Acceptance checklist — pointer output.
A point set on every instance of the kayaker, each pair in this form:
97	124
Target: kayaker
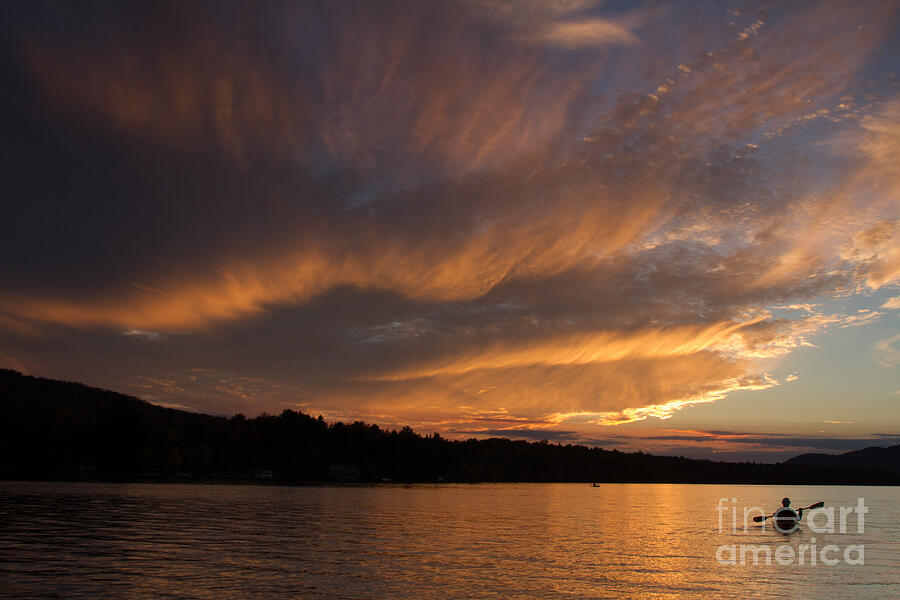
786	503
787	519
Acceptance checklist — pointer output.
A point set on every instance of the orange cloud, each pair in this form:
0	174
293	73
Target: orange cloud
389	93
581	349
454	269
589	32
9	362
637	243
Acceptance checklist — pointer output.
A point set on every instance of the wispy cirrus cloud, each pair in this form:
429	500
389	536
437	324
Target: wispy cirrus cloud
590	32
382	216
888	351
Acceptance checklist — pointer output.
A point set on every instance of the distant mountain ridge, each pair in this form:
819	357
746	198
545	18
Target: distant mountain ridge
60	430
873	457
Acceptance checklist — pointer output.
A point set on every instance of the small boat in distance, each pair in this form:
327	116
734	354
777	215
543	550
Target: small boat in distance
595	485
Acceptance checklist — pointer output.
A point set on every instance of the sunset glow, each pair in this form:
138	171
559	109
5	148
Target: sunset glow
673	228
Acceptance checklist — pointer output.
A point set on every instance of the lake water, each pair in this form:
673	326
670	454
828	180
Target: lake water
73	540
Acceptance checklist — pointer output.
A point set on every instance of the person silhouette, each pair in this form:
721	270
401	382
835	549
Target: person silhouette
787	519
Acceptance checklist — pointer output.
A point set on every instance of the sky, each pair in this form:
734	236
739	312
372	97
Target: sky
671	227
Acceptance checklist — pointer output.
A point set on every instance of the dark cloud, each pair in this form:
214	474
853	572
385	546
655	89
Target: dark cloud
555	436
437	212
762	441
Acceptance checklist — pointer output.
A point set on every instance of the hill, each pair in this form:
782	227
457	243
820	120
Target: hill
874	457
59	430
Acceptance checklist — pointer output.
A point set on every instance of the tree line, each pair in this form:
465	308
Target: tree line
58	430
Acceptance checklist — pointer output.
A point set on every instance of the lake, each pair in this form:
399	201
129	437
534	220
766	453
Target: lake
439	541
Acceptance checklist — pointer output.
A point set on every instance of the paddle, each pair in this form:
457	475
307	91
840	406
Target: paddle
762	518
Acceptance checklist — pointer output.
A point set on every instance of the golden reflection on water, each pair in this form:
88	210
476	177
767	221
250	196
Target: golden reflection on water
424	541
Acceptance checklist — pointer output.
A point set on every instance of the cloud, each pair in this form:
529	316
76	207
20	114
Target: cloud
569	24
150	335
492	247
216	392
887	352
589	32
732	446
876	145
892	303
669	408
17	326
741	441
429	212
8	362
381	91
582	349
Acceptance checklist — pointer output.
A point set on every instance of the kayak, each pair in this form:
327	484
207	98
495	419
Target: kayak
786	520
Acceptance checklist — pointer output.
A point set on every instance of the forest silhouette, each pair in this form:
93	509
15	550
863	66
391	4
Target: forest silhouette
60	430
